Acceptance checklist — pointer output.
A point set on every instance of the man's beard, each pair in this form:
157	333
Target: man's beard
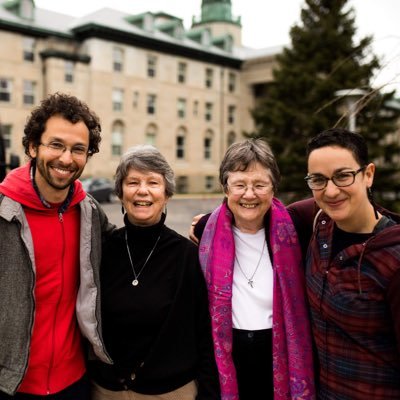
45	171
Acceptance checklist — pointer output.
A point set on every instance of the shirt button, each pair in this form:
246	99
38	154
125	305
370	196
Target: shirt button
250	334
323	222
325	246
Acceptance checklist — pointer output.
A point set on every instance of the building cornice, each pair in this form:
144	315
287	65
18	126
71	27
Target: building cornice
31	30
92	30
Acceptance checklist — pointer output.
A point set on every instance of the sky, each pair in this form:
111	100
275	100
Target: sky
266	23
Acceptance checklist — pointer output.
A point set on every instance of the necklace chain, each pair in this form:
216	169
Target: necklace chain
250	280
135	282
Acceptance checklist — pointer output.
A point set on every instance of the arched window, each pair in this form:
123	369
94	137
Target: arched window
117	138
151	134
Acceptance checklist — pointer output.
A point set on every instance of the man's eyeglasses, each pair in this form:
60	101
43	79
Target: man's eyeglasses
58	148
241	189
340	179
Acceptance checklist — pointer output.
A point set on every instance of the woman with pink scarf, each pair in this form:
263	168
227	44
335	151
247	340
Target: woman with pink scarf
251	258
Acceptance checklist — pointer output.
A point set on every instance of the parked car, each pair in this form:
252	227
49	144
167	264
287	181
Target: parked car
102	189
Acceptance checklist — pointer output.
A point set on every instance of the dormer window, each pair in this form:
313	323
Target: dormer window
143	21
26	9
22	8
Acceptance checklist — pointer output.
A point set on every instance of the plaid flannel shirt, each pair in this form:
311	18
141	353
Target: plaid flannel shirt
355	309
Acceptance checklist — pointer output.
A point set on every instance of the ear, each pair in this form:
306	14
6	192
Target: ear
369	174
32	150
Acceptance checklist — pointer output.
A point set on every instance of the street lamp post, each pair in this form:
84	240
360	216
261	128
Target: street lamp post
350	98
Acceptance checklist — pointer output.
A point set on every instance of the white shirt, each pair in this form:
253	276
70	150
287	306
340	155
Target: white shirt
252	306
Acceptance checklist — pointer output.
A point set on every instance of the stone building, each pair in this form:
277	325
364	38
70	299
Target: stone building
187	91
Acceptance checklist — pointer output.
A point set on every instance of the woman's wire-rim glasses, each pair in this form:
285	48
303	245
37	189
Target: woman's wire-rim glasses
340	179
240	189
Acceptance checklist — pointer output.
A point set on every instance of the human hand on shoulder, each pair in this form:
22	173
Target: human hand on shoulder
195	220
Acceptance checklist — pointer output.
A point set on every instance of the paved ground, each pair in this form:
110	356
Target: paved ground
181	209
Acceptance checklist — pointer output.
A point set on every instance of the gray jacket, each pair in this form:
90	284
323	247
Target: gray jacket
17	303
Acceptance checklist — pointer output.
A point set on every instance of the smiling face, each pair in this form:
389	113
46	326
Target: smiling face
56	172
143	196
249	208
348	206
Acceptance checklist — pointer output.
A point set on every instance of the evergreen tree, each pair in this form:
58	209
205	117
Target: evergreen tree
323	58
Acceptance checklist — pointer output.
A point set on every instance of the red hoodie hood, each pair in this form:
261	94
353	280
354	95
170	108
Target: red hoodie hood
18	186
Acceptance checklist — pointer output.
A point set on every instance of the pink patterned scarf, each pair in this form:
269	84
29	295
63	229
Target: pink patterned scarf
292	349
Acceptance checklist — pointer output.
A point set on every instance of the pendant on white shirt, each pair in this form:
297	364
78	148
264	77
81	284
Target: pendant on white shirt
250	280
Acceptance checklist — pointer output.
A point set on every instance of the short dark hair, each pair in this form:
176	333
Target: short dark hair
241	155
342	138
144	158
68	107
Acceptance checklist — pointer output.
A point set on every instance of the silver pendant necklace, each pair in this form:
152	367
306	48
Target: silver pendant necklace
135	281
250	280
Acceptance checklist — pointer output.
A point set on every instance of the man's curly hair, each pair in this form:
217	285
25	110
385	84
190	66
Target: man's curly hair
68	107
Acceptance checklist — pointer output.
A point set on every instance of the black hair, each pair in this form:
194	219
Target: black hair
342	138
68	107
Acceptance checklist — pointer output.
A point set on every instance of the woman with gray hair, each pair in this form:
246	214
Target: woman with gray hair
251	259
152	339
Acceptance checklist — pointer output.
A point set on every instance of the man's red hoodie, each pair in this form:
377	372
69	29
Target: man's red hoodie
56	357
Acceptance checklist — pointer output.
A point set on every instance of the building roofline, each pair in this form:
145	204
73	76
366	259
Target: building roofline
93	30
31	30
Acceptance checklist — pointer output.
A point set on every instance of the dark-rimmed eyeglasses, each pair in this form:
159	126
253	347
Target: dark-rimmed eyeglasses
58	148
340	179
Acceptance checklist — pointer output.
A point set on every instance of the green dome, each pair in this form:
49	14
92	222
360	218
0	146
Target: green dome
217	11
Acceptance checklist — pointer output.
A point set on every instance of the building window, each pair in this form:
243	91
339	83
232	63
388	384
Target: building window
69	71
6	131
135	99
28	49
117	136
151	103
208	146
151	135
231	114
182	72
5	90
231	82
209	78
151	66
180	145
117	99
29	92
208	111
209	184
118	59
231	138
195	108
182	184
181	108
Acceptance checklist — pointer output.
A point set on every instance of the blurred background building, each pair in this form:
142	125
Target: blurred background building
189	92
